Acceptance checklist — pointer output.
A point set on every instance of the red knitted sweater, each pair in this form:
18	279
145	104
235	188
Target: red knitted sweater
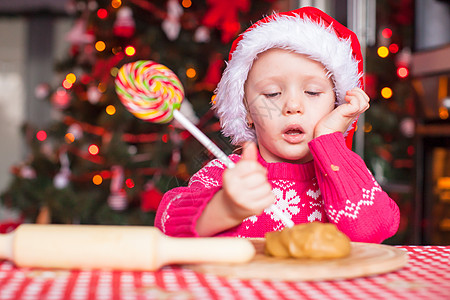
335	187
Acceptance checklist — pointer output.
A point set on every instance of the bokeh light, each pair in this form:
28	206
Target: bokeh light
191	73
110	110
393	48
383	51
186	3
443	113
69	138
71	77
101	87
387	33
93	149
402	72
67	84
100	46
116	3
130	51
97	179
386	92
114	71
129	183
102	13
41	135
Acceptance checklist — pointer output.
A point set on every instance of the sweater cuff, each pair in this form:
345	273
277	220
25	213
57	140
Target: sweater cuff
184	206
338	164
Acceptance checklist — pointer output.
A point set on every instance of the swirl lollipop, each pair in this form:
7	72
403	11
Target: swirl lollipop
152	92
149	90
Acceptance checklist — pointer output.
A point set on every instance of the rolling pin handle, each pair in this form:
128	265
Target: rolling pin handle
6	246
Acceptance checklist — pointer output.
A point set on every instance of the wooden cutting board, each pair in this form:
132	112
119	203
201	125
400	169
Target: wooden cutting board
364	260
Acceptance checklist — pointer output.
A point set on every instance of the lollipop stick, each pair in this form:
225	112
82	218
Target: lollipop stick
205	141
202	138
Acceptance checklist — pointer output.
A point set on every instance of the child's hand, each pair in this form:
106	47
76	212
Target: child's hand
246	188
342	116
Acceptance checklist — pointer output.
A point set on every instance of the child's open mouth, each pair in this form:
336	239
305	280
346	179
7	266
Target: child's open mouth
293	134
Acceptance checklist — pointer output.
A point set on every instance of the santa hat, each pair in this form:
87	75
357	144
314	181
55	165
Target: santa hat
307	31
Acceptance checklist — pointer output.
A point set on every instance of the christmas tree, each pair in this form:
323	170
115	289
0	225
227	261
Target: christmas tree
97	163
389	123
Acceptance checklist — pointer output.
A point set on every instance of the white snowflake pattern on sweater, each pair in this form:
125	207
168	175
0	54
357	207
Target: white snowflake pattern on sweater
287	199
351	209
335	188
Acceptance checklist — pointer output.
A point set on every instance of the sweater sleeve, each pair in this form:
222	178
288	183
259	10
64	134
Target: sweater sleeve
181	207
353	200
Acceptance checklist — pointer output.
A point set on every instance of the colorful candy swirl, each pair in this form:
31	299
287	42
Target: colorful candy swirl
149	90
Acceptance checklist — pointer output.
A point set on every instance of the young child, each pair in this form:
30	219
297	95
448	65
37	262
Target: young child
290	95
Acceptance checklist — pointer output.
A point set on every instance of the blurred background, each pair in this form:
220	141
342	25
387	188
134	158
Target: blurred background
71	154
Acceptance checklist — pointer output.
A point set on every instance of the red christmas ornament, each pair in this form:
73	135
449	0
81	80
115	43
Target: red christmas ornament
224	15
61	98
150	199
124	26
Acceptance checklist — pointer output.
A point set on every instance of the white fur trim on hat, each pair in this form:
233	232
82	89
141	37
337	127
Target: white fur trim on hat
301	35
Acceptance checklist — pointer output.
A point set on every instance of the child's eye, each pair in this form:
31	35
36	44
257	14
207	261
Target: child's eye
272	95
311	93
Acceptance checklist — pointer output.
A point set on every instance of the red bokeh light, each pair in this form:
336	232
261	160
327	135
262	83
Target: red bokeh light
387	33
130	183
93	149
41	135
402	72
393	48
102	13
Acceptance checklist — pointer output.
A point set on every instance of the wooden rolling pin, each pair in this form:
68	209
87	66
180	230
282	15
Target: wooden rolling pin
114	247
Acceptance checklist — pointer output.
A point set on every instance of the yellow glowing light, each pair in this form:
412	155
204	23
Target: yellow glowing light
116	3
386	93
97	179
110	110
383	51
443	183
69	138
67	84
100	46
213	101
443	113
130	51
186	3
71	77
367	127
191	73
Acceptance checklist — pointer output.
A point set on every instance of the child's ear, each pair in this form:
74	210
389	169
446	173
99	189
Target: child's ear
248	117
249	120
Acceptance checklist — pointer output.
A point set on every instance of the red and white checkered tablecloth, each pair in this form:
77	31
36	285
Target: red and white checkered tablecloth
426	276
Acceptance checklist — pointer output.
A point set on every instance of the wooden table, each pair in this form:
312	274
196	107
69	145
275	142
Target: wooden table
426	276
